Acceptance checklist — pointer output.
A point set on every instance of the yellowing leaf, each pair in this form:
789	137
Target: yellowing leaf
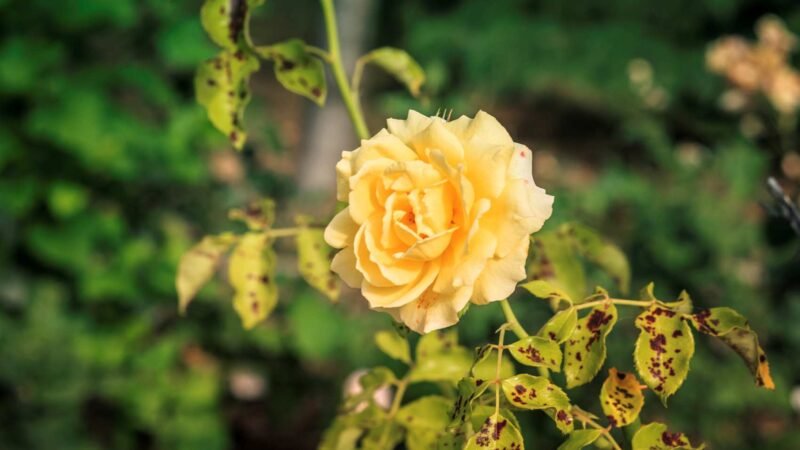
732	329
654	436
526	391
560	327
251	272
440	358
585	350
314	262
468	391
555	260
197	266
663	350
399	64
297	70
537	351
545	290
259	215
393	345
605	255
226	21
496	433
579	439
221	86
425	420
621	398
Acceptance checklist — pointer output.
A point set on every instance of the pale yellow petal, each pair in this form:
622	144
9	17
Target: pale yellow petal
437	137
434	311
363	198
521	210
395	296
342	229
501	275
344	265
343	174
364	264
428	248
413	125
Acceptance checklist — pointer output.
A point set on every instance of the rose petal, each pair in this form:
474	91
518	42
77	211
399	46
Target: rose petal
342	230
344	265
434	311
500	276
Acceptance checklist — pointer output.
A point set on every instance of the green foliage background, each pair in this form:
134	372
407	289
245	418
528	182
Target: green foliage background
106	177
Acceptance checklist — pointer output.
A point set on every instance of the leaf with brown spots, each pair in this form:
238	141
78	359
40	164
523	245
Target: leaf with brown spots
226	21
222	87
258	216
585	350
560	327
664	349
251	272
547	291
579	439
555	260
314	262
425	420
393	345
537	351
608	257
733	329
399	64
621	398
531	392
469	390
197	266
297	70
496	433
654	436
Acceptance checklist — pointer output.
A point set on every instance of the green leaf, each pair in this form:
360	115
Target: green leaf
393	345
531	392
733	329
664	350
436	342
545	290
340	435
605	255
561	326
440	358
579	439
227	21
585	350
399	64
537	351
221	86
425	420
654	436
314	262
385	435
621	398
197	266
484	366
555	260
297	70
468	391
251	272
496	433
258	216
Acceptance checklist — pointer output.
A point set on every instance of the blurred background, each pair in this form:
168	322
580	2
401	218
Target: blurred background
643	124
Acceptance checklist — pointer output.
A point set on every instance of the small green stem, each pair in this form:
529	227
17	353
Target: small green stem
512	320
579	415
396	402
616	301
497	370
319	53
353	108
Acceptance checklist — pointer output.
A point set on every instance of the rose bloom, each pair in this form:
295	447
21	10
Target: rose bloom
440	213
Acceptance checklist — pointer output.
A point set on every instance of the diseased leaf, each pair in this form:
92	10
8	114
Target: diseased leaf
399	64
545	290
393	345
482	412
259	215
585	350
537	351
621	398
484	367
531	392
496	433
579	439
560	327
654	436
314	263
197	266
226	21
436	342
733	329
555	260
221	86
683	305
605	255
468	391
251	272
425	420
664	350
297	70
440	358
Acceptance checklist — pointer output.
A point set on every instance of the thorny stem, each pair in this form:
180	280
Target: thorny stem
579	415
616	301
335	60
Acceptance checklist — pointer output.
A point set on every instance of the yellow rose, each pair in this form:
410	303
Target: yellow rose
439	215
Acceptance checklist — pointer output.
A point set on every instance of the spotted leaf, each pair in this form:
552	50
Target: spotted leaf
546	290
198	265
496	433
663	350
555	260
297	70
537	351
314	263
654	436
425	420
608	257
393	345
221	86
468	391
560	327
226	21
258	216
399	64
579	439
585	350
251	272
733	329
527	391
621	398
